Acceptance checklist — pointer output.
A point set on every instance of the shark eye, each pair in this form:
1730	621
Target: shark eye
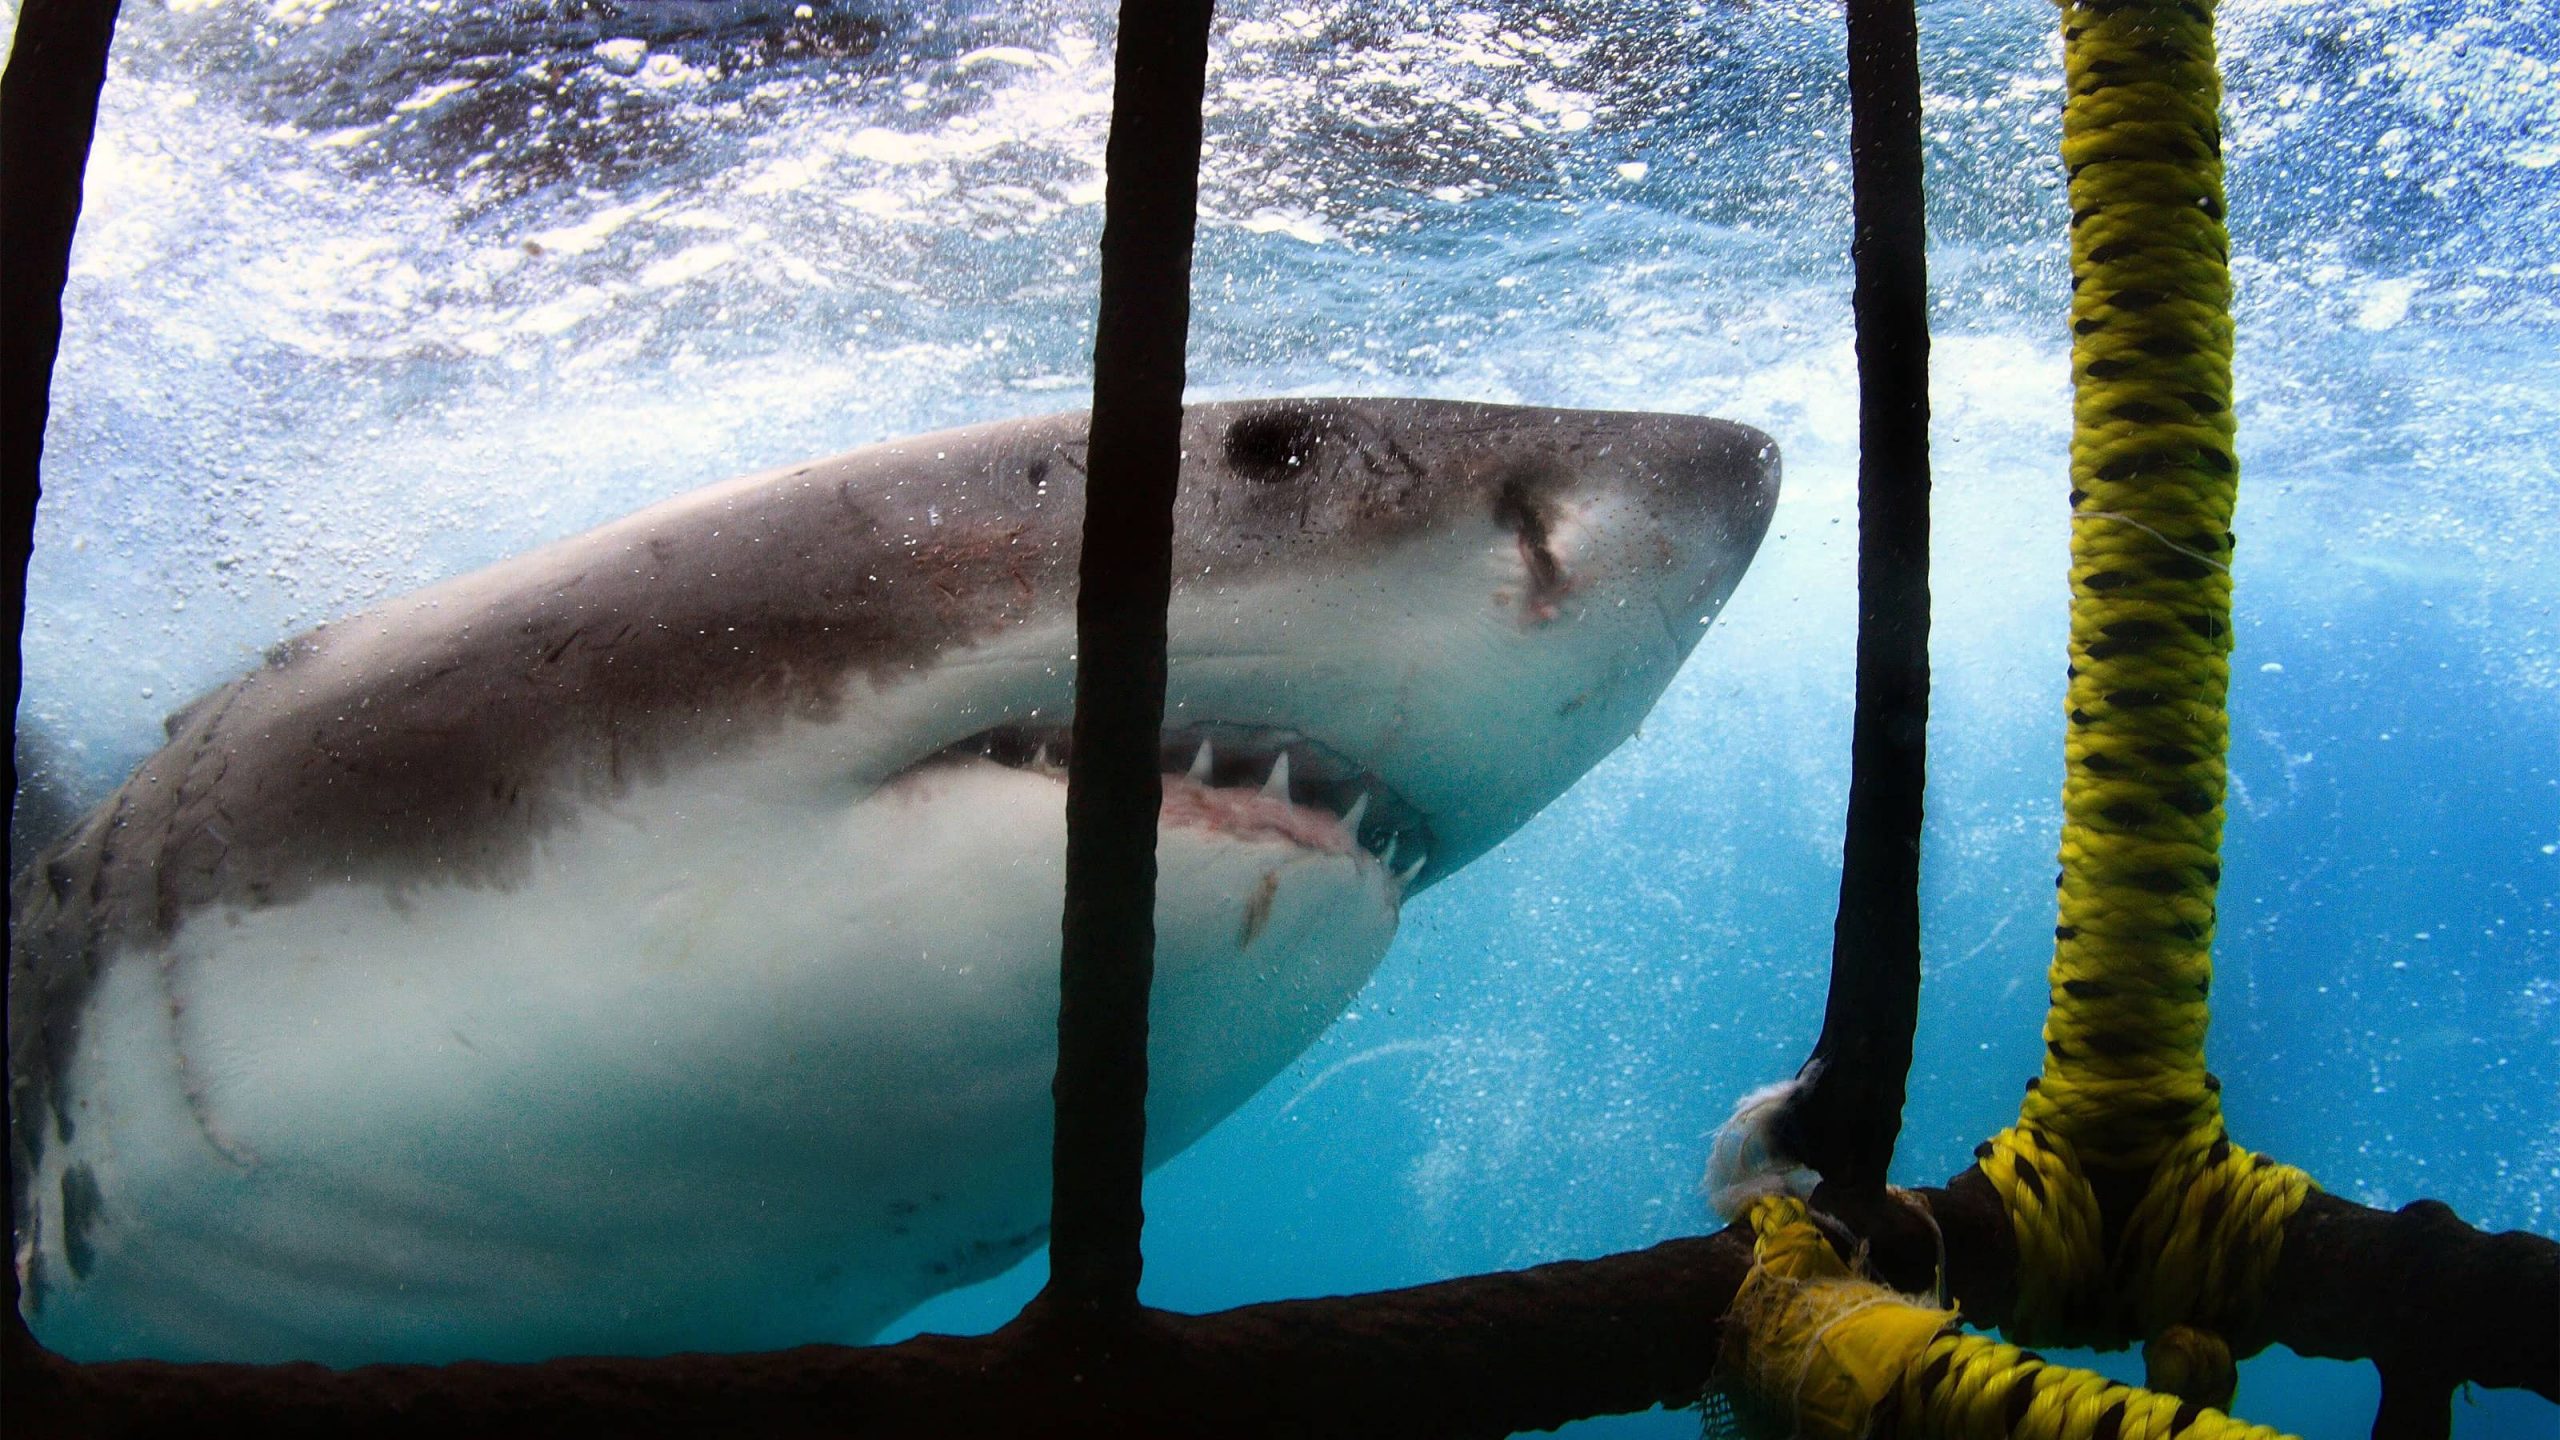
1274	445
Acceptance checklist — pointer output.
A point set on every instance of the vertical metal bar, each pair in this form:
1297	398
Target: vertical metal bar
2416	1405
1152	188
1846	1123
48	116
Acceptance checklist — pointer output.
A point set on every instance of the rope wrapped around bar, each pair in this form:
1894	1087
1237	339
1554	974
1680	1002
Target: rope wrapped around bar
1970	1387
2124	1091
2153	484
2197	1248
1813	1351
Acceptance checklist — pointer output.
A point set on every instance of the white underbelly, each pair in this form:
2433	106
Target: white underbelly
722	1071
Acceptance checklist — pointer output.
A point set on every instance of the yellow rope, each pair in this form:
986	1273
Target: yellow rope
2199	1247
2124	1091
2191	1364
2061	1266
1813	1352
2153	484
1971	1388
1810	1349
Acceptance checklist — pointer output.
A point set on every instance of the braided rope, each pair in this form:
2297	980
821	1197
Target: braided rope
2054	1214
2197	1250
1969	1387
2154	481
2199	1247
1813	1352
2153	486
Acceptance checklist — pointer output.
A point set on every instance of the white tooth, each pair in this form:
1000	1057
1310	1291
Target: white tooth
1277	787
1411	870
1040	761
1351	817
1387	857
1200	765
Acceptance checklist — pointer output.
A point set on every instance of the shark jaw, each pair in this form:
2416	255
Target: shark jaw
746	1041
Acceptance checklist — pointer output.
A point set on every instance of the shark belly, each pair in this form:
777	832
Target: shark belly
692	1082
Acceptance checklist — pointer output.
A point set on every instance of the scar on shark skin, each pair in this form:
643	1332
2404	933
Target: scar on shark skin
1257	908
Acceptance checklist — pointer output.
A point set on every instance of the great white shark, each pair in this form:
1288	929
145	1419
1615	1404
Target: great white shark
650	943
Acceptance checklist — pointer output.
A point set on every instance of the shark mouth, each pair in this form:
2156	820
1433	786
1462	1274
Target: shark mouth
1248	781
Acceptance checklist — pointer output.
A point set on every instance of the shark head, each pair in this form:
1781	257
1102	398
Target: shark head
1520	586
1399	628
1453	609
725	845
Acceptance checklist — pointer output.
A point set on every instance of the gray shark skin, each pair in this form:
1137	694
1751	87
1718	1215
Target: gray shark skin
649	943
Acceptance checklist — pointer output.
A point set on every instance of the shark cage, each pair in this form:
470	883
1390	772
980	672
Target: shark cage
2116	1211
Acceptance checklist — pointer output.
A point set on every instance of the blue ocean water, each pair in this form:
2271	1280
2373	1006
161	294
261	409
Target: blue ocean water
368	295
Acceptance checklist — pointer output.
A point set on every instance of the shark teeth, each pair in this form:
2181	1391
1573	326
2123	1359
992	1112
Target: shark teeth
1387	861
1269	763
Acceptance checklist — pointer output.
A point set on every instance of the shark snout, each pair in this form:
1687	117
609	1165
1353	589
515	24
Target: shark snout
1720	478
1711	486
